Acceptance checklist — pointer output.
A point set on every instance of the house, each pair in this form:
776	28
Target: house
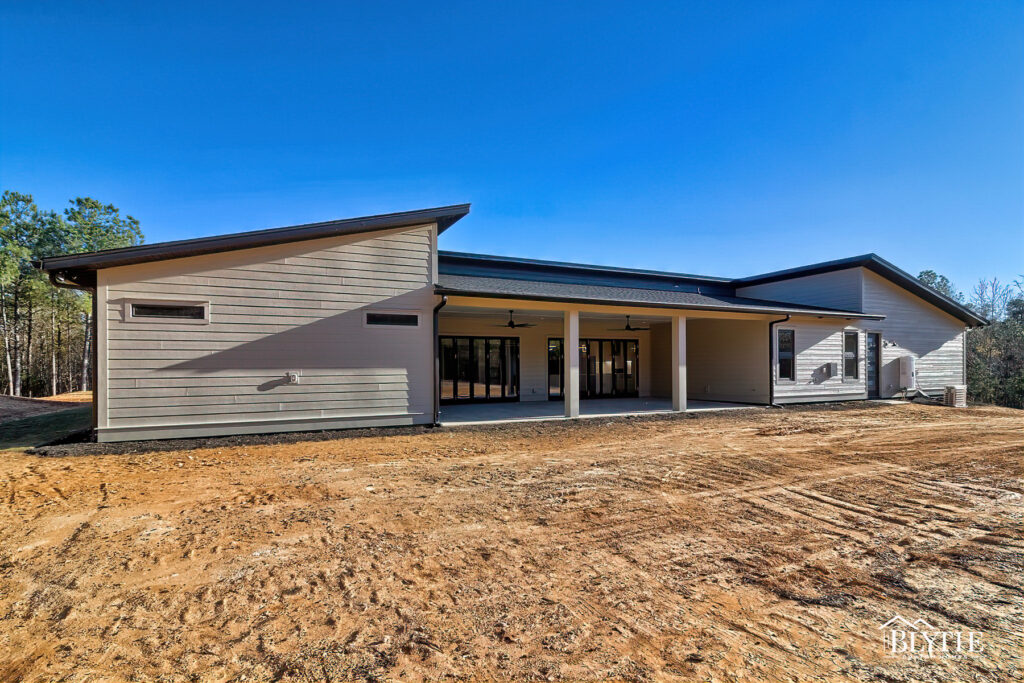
363	322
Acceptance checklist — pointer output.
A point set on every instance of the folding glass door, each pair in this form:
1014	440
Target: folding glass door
608	367
477	369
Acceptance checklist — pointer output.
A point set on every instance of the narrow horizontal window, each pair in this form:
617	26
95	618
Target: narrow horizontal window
787	355
393	319
168	311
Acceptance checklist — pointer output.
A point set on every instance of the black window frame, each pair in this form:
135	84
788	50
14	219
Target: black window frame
556	345
391	319
137	311
586	345
790	355
855	357
510	363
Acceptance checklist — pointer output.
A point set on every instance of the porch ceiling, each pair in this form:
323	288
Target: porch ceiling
540	315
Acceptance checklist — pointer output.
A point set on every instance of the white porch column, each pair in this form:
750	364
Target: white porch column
679	363
571	351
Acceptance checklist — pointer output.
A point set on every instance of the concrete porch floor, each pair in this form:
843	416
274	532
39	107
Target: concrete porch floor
483	413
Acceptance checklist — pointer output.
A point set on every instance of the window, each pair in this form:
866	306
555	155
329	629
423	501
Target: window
393	319
166	311
170	311
787	355
851	344
556	368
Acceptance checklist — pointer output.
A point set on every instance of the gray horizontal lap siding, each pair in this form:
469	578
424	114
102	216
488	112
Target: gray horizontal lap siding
916	328
293	307
912	326
840	289
818	343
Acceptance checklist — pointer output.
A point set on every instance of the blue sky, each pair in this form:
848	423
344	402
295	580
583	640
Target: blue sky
715	138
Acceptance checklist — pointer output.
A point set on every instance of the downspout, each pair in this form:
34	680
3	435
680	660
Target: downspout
437	364
963	351
771	358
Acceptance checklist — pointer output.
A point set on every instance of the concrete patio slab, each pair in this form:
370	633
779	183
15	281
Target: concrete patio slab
487	413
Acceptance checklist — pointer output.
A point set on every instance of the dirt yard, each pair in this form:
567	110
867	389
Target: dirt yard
754	545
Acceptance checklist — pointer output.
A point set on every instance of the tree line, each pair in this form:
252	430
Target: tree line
995	353
46	331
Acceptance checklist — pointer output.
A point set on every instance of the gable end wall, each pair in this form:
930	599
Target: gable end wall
295	307
914	327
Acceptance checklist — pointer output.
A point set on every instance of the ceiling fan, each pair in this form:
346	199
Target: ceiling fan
512	324
630	328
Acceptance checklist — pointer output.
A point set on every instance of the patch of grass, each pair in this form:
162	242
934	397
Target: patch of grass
39	430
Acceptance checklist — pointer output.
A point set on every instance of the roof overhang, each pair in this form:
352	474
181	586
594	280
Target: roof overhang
78	270
763	308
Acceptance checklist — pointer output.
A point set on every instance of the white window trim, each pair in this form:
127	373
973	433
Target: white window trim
366	313
130	318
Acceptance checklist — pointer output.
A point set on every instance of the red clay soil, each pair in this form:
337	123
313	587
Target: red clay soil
756	545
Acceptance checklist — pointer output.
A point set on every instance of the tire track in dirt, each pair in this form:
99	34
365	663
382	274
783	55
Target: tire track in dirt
668	549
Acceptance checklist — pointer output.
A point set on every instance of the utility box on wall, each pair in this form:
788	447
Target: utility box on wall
908	372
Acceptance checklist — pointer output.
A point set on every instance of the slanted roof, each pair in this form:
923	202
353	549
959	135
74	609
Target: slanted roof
879	265
77	264
542	290
509	266
496	275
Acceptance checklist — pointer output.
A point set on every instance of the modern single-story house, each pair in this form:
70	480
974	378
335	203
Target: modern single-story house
363	322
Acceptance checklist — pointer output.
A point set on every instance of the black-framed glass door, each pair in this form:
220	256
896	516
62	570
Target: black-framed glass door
608	368
873	363
477	369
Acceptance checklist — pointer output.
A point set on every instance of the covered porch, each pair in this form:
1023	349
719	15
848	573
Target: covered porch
509	360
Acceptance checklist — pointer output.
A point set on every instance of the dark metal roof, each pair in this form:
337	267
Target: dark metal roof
879	265
444	216
557	280
457	263
509	288
461	257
